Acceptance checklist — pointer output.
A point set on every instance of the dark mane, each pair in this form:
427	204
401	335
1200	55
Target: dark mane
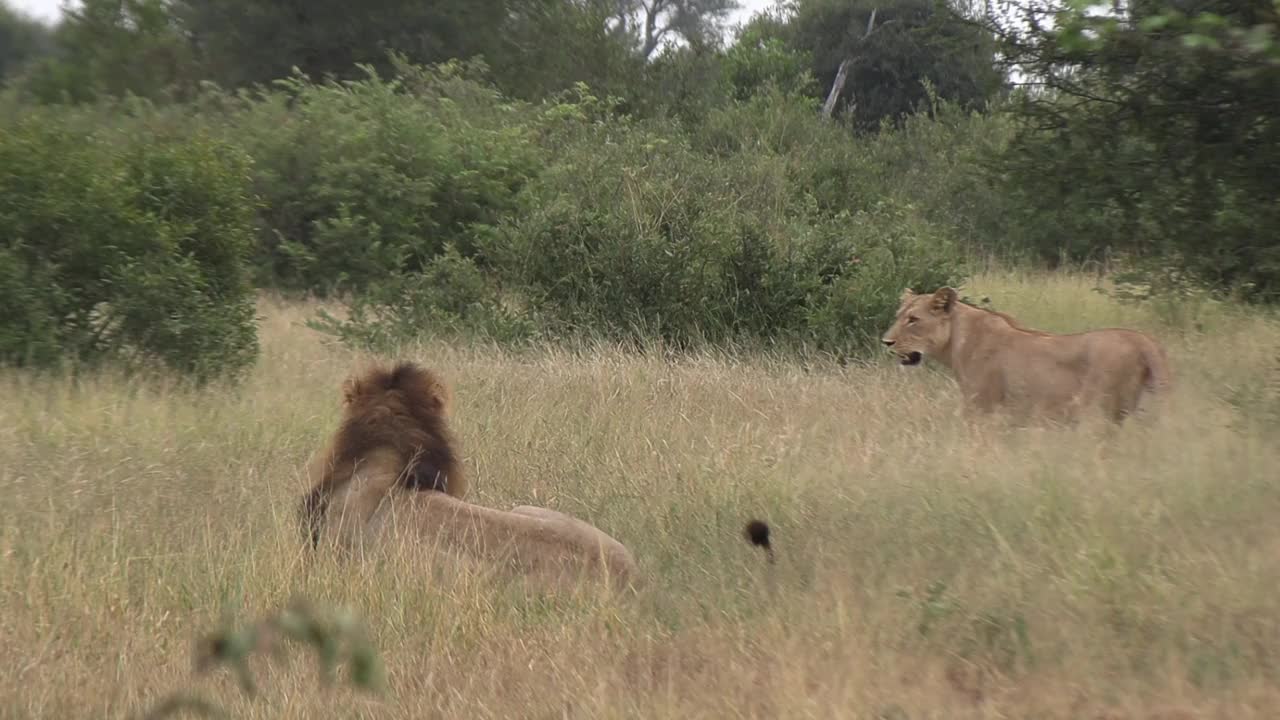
401	409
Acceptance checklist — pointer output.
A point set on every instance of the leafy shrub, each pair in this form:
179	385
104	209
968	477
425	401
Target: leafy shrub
361	180
1112	158
450	297
942	163
755	63
1080	200
897	249
640	230
131	247
336	635
937	162
440	207
631	231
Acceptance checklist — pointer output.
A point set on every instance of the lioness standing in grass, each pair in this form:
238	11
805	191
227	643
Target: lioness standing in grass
1000	364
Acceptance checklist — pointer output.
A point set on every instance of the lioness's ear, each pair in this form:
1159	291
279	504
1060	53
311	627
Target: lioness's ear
944	299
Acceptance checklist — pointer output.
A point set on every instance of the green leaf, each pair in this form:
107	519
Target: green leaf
366	669
1258	39
1210	20
1198	41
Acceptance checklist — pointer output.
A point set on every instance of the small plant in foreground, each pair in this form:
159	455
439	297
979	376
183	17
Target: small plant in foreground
336	636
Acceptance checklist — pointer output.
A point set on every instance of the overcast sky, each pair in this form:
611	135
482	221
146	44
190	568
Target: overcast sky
50	9
43	9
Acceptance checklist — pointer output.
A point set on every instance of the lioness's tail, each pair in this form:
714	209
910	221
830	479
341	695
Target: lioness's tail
1157	377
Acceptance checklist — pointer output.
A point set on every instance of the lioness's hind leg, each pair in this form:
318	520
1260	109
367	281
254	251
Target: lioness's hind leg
1124	398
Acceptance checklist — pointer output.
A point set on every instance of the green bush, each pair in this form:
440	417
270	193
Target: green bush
633	232
450	297
1115	203
437	207
1112	158
130	247
943	162
641	230
938	162
756	62
897	249
362	180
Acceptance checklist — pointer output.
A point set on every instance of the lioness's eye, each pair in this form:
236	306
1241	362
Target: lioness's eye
911	319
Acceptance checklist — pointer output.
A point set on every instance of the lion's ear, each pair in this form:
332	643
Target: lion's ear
350	389
444	393
944	299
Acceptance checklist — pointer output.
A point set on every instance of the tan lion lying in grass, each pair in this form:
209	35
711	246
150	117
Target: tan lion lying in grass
1000	364
389	474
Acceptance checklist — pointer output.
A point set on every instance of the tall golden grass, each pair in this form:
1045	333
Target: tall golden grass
926	568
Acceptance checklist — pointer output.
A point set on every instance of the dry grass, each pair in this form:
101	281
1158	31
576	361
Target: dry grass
925	569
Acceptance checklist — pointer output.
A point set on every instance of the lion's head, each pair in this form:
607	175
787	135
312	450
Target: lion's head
922	326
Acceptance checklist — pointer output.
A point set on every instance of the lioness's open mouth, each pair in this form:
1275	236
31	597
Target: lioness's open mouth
912	358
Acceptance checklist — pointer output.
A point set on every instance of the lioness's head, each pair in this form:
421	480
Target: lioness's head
922	326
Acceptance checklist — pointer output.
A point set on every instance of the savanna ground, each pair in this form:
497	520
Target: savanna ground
926	568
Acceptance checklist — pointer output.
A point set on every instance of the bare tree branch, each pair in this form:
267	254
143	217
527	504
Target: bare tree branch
651	22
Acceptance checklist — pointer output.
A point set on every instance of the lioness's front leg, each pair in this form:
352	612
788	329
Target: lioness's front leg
986	395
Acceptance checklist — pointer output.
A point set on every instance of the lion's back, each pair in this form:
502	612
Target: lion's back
603	549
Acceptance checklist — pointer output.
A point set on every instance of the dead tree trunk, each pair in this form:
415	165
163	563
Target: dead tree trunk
843	73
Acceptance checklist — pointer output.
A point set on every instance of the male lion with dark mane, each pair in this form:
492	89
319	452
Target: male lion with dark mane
391	473
1000	364
393	426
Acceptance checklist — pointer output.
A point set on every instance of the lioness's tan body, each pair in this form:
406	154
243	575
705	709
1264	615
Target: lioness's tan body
542	543
999	364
